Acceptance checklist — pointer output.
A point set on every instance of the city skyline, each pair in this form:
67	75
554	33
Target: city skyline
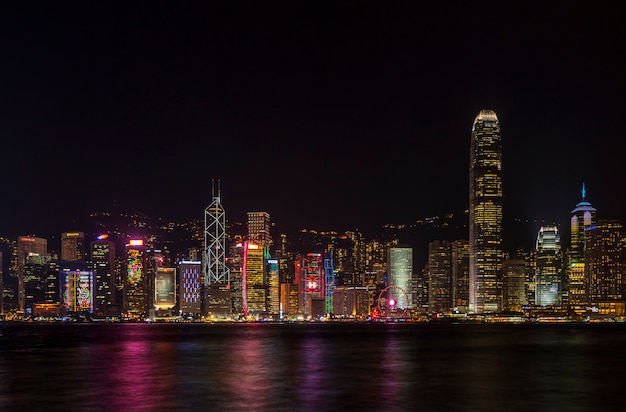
332	117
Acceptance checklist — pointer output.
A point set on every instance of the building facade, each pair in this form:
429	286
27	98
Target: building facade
548	267
485	215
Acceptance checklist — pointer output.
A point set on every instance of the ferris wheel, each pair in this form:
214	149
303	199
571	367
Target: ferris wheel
393	302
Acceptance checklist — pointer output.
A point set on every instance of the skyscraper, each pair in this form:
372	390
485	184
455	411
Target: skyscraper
485	214
27	246
400	271
72	246
259	228
583	217
103	257
189	292
605	267
439	276
549	267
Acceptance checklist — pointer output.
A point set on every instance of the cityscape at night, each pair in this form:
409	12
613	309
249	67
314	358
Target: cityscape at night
274	205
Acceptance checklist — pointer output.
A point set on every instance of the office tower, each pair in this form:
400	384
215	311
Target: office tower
35	281
549	267
605	266
439	276
273	287
253	279
27	246
460	275
485	214
72	246
583	217
102	253
189	288
215	271
259	228
400	272
514	284
309	270
235	261
164	290
76	279
136	282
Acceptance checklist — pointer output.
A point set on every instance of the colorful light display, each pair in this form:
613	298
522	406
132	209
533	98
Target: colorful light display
134	266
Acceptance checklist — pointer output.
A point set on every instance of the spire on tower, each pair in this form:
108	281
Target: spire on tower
584	192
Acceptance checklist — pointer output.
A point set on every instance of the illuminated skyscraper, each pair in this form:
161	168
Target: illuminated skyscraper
189	288
400	271
485	214
253	279
77	286
259	228
439	276
216	273
513	284
583	217
27	246
549	267
136	284
72	246
103	257
605	267
460	275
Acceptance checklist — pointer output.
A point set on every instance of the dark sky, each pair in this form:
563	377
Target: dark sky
328	115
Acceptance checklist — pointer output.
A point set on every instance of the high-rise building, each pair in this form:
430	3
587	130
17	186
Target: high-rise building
253	279
72	246
310	279
136	284
76	279
583	217
259	228
485	214
215	271
400	272
27	246
460	275
513	284
549	267
103	257
439	276
189	288
164	290
605	267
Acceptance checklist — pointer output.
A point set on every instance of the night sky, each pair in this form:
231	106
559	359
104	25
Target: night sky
328	115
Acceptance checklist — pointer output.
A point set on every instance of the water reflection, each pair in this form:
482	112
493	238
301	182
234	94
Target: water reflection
310	367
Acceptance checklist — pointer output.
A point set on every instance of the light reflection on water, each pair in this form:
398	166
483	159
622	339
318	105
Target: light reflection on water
316	367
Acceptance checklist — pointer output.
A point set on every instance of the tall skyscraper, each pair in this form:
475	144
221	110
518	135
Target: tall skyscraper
549	267
583	217
136	284
216	273
439	276
27	246
605	267
400	271
253	279
259	228
460	275
485	214
72	246
103	257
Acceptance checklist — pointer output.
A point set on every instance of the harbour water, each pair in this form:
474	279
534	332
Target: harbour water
312	367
